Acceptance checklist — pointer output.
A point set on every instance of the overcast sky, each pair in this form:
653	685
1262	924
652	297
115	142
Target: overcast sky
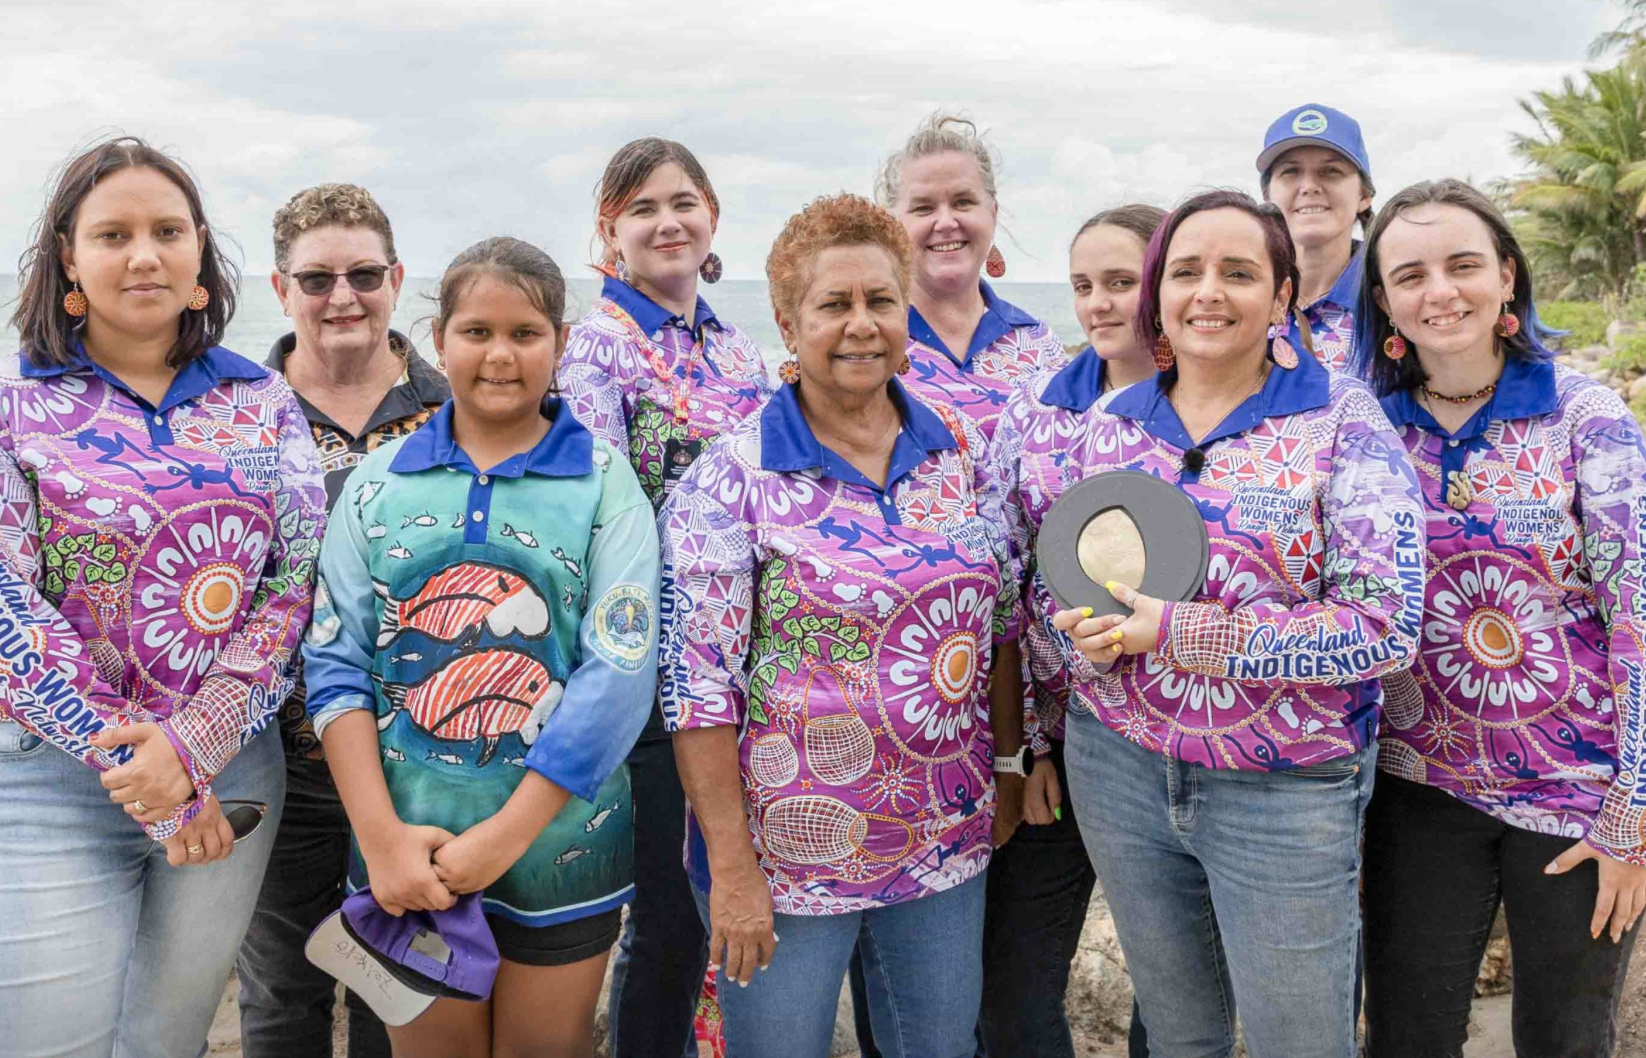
470	118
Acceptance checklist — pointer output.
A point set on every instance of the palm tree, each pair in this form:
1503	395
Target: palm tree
1581	207
1629	35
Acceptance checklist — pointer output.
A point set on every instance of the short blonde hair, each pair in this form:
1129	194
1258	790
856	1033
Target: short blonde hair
345	205
833	220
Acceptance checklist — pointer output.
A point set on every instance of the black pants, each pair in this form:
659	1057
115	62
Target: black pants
1436	870
664	950
285	1001
1040	884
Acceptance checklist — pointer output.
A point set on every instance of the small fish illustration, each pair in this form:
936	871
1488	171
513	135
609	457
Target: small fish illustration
387	719
518	762
366	494
410	655
444	758
526	539
424	520
399	550
572	852
390	753
598	820
566	597
376	531
565	560
461	521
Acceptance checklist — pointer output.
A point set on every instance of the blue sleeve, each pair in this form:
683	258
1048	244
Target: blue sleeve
611	691
338	648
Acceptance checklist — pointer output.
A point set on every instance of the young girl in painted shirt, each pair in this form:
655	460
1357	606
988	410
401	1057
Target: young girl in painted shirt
485	657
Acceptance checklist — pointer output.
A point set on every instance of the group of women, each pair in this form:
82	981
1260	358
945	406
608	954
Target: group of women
628	621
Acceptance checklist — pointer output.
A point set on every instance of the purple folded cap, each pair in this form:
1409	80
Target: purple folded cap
438	953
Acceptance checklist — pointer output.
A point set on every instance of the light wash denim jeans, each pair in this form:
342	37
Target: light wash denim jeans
1227	884
105	949
922	962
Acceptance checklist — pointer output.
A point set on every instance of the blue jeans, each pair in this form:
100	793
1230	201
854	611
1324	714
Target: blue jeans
657	971
1227	884
923	965
108	949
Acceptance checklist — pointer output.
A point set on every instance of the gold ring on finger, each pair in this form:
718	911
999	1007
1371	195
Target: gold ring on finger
138	805
196	850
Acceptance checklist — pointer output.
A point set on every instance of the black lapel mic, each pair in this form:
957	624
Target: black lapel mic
1194	460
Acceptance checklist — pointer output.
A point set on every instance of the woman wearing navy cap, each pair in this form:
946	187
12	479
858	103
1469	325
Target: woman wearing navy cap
1314	167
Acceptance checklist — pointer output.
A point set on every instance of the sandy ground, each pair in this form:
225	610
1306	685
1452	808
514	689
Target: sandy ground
1489	1035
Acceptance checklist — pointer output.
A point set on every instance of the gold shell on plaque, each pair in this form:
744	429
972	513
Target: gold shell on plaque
1110	548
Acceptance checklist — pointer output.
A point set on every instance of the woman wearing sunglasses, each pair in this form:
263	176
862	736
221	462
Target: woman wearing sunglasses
160	512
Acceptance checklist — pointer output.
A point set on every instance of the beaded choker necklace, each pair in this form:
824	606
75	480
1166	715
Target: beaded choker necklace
1484	391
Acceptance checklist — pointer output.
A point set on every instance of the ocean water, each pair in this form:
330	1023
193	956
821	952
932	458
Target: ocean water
258	320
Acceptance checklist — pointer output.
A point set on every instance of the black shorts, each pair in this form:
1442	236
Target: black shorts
558	945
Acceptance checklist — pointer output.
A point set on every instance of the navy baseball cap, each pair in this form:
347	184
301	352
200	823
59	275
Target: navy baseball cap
400	966
1319	126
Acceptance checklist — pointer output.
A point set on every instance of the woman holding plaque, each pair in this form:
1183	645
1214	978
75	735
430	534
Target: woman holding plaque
1512	748
1216	753
838	591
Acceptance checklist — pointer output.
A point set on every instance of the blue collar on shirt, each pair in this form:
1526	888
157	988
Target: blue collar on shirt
1000	317
1345	293
647	313
1078	385
566	451
1525	389
1285	392
787	443
192	380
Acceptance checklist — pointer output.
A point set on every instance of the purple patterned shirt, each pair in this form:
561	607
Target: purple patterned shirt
613	387
1009	349
1331	317
1315	578
1528	698
155	562
846	631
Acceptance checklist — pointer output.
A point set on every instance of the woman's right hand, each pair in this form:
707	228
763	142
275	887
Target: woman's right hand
400	869
208	832
1042	794
740	921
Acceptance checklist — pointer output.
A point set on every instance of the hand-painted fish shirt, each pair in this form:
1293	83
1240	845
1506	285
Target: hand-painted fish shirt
1316	562
155	561
1009	349
496	621
843	629
405	407
628	361
1331	317
1528	698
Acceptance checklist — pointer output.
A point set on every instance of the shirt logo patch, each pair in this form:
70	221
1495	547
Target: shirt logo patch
1309	123
622	626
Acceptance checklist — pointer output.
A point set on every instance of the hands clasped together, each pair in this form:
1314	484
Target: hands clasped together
423	868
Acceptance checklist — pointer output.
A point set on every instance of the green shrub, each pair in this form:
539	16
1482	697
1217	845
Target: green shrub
1585	321
1630	357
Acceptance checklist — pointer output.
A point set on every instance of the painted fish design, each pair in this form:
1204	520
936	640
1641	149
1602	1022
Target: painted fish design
572	567
444	758
526	539
454	602
485	695
423	520
598	820
390	753
572	852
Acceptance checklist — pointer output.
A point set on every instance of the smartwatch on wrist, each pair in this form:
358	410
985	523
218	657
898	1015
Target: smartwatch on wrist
1019	763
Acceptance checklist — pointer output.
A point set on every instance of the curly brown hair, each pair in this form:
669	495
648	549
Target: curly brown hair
346	205
832	220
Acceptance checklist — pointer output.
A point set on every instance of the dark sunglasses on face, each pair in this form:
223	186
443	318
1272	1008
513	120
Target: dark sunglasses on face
364	279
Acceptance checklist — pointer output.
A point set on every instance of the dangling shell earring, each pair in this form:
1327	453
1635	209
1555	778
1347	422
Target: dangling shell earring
710	270
1165	357
74	302
789	370
1280	350
1508	324
621	269
994	264
1394	346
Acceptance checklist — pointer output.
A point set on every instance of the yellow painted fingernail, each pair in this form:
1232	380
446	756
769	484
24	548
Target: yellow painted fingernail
1118	635
1085	611
1109	586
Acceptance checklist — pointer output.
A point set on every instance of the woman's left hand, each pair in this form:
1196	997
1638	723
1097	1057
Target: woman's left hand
475	858
1101	640
153	783
1622	894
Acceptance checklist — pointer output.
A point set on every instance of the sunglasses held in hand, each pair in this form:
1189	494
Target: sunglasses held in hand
318	283
243	817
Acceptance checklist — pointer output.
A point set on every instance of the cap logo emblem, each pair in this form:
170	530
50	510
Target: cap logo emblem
1309	123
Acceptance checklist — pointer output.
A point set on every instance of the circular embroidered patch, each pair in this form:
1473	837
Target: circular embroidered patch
622	626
